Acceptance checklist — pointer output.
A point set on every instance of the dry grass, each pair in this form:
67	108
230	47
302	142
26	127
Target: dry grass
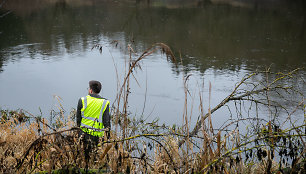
30	144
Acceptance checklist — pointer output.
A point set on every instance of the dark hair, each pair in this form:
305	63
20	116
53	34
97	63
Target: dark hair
95	86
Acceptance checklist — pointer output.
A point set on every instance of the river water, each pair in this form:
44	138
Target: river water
46	50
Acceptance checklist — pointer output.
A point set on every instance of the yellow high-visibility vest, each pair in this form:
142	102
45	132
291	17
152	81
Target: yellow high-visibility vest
92	115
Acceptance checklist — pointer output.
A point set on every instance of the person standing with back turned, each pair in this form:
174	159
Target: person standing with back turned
93	117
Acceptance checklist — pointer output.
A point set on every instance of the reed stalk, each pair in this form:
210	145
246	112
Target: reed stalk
31	144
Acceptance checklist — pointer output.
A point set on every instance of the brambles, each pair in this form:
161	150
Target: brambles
18	116
251	142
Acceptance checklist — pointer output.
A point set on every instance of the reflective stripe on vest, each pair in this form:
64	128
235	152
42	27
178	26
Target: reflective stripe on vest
92	115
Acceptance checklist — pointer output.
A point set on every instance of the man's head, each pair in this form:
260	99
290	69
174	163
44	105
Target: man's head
94	87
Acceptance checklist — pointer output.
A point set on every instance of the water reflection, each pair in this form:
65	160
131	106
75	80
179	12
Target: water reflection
220	39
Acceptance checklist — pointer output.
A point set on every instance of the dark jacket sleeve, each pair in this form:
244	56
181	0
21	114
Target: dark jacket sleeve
106	118
106	121
78	114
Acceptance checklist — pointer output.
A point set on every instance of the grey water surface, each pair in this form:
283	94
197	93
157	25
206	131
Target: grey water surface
46	50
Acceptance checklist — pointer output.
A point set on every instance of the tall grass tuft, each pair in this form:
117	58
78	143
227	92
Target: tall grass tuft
31	144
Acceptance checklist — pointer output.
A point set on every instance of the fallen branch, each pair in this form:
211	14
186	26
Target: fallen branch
233	97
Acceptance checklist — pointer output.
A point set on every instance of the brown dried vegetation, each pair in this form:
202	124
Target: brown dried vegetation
30	144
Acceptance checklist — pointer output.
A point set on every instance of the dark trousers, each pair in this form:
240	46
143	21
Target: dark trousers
89	142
